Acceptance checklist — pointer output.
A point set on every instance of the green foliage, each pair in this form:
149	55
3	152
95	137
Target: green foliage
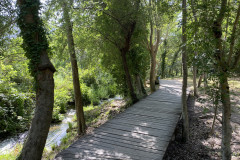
16	97
32	32
15	113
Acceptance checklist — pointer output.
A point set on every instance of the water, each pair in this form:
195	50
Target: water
56	133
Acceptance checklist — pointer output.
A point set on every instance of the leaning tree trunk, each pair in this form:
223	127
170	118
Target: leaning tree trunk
185	75
76	84
128	77
36	48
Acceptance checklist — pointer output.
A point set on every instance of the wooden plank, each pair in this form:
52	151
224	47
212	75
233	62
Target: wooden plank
112	141
92	152
135	136
119	149
160	126
142	130
154	110
151	145
152	113
162	116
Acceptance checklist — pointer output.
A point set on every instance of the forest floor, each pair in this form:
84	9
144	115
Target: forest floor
202	145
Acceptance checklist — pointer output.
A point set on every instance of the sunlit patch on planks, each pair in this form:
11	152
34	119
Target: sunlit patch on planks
142	132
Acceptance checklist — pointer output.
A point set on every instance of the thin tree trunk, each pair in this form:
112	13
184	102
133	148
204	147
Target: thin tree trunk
164	59
28	20
200	81
185	75
215	103
181	70
205	80
195	92
76	84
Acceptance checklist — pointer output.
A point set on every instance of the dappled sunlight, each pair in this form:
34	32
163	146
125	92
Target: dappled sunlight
142	131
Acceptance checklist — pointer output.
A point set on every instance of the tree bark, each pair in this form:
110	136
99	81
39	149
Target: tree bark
153	49
34	145
195	92
76	84
152	73
185	75
128	77
205	80
164	59
226	126
223	77
139	86
200	81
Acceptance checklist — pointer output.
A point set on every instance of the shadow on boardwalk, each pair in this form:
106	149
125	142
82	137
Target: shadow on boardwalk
143	131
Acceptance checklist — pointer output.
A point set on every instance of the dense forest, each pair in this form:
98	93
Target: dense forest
57	56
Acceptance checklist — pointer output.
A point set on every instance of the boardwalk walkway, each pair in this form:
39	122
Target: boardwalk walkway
141	132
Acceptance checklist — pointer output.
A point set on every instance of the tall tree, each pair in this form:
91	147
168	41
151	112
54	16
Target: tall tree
225	63
195	91
185	73
36	47
151	45
117	24
76	84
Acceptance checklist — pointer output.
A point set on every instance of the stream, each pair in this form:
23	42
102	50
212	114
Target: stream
55	134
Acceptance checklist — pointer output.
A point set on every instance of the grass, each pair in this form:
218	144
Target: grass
13	154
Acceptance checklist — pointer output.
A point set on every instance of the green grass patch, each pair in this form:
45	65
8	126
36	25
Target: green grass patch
13	154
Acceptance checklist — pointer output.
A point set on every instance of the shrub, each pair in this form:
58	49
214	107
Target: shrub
15	113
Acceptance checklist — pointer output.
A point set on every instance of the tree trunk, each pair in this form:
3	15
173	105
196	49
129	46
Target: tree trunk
76	84
28	19
195	92
142	86
152	73
185	75
128	77
226	117
181	73
223	77
164	59
153	48
139	86
205	80
215	103
200	81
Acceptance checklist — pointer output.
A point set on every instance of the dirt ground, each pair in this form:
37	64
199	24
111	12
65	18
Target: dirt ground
202	145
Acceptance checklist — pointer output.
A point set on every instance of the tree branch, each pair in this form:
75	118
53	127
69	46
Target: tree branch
107	37
233	37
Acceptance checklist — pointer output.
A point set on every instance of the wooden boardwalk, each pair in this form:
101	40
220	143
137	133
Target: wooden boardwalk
142	132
